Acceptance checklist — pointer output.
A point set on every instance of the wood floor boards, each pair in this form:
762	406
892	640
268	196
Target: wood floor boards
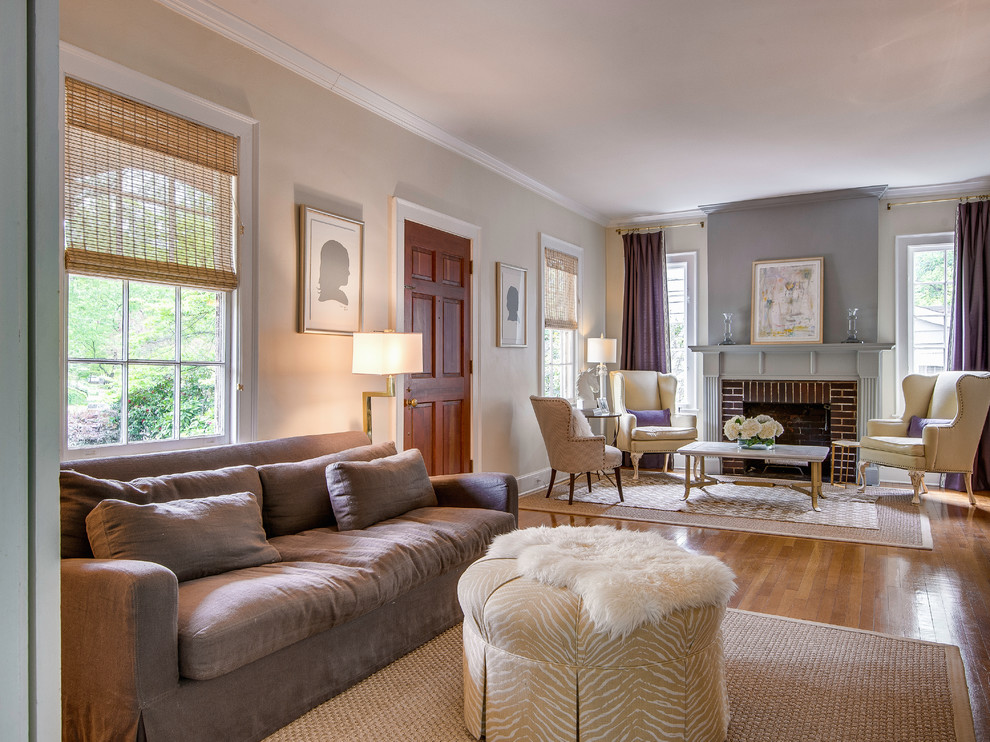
941	595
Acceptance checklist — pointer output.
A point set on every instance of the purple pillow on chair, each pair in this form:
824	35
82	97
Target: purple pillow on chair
659	418
917	424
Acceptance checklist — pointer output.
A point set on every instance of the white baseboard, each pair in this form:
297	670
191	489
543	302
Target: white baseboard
534	481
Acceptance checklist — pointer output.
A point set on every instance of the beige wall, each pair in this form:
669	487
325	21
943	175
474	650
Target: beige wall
317	148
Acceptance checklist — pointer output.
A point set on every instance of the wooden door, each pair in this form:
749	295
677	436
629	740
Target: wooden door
438	304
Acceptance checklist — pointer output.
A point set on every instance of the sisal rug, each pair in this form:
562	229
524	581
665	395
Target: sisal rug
881	515
788	681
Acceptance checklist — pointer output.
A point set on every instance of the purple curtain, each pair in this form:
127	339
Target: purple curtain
969	348
645	341
645	337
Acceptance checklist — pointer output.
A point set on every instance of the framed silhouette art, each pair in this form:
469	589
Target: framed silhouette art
330	258
513	307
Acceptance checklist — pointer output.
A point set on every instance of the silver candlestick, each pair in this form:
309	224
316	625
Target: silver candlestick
852	337
727	340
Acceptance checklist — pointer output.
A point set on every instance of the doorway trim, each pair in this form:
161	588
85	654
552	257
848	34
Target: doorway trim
401	210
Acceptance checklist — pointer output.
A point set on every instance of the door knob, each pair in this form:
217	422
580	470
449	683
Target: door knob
410	403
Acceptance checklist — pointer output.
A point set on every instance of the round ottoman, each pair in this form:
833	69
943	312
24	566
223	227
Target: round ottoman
535	667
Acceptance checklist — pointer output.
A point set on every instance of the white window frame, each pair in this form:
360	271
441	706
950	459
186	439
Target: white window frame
242	362
906	246
690	261
548	242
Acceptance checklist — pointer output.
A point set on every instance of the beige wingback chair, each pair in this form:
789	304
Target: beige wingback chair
649	390
571	446
961	398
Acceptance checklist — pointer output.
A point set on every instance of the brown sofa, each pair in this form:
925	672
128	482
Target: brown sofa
237	655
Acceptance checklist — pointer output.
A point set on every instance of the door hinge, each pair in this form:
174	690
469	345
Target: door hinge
470	367
470	465
471	267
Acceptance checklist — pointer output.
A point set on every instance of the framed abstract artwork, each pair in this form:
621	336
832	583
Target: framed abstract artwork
512	311
330	249
787	301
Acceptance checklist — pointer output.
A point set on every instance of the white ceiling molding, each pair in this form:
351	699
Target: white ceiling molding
797	198
668	218
230	26
959	188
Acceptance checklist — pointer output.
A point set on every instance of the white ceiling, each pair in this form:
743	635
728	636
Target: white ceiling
629	108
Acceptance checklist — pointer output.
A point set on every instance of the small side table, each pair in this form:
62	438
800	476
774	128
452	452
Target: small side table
844	461
604	417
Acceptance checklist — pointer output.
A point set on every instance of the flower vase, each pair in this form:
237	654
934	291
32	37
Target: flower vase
756	443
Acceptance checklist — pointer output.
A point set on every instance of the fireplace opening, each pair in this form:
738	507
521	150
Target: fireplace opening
805	424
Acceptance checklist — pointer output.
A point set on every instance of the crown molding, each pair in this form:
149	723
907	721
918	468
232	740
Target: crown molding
240	31
876	191
958	188
667	218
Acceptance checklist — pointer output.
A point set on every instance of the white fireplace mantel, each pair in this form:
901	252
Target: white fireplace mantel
859	361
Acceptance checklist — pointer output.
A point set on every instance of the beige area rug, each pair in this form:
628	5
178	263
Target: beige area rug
880	516
788	681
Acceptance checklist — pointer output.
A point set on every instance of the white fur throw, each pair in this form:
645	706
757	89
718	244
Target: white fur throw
625	578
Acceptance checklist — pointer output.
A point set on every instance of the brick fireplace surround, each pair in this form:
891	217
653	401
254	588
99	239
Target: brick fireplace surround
842	379
837	401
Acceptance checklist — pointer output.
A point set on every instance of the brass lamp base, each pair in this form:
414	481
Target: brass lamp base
366	401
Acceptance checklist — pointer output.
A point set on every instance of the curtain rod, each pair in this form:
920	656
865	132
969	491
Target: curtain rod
661	227
980	197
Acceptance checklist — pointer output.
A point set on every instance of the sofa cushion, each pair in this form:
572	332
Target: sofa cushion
655	418
326	577
366	492
651	433
296	496
80	493
193	538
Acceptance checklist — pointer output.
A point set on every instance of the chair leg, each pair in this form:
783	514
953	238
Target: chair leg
968	479
667	459
553	476
588	473
570	498
618	481
862	475
918	482
635	459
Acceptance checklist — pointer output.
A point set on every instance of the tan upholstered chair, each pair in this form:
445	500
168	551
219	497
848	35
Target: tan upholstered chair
571	446
649	390
959	400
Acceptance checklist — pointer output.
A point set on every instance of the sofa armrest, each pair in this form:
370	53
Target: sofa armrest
890	427
119	644
490	490
683	420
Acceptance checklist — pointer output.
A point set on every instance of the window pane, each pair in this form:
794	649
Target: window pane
150	402
931	295
199	401
96	317
202	326
929	265
93	402
151	322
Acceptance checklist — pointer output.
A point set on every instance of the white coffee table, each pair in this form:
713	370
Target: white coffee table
812	455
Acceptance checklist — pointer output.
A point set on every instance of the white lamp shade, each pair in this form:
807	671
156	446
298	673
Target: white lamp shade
601	350
384	353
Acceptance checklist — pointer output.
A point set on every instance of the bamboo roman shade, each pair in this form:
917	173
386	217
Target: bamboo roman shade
560	290
148	195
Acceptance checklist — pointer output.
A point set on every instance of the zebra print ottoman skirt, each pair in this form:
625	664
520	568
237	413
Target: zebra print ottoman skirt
535	667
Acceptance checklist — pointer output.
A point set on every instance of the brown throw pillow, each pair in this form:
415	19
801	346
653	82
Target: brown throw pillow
296	497
193	538
365	492
81	493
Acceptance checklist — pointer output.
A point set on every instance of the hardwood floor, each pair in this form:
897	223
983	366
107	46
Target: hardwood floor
941	595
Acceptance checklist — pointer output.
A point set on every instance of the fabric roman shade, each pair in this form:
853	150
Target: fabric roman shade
560	290
149	196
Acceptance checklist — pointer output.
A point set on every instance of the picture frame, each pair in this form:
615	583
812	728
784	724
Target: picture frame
787	301
331	251
512	312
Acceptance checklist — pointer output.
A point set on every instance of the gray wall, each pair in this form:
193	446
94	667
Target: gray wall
844	231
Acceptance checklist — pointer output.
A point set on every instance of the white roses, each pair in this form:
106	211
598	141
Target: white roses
750	430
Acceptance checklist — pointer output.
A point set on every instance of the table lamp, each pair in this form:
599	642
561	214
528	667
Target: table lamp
385	354
601	351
